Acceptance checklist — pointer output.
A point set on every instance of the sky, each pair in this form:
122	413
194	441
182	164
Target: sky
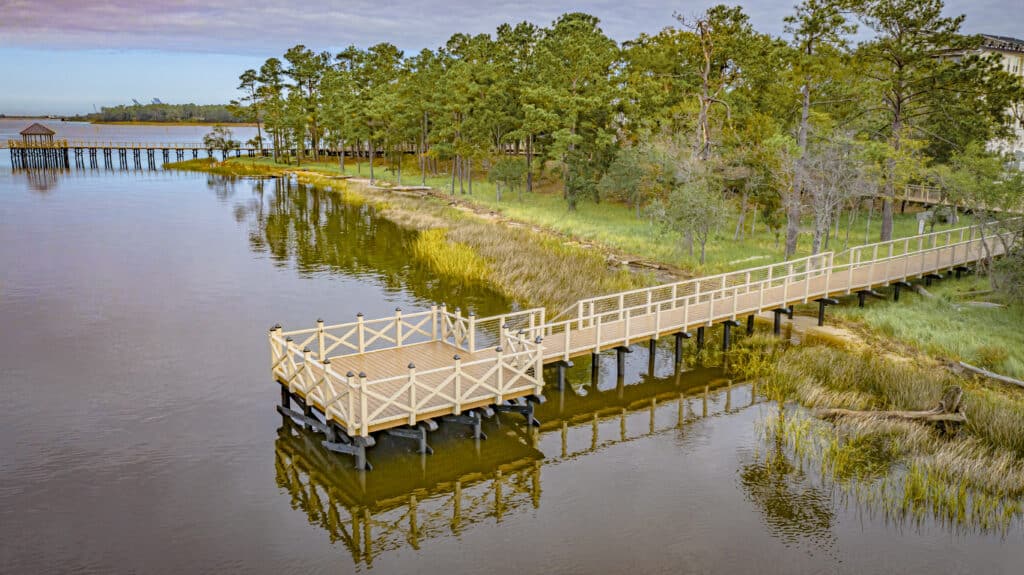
69	56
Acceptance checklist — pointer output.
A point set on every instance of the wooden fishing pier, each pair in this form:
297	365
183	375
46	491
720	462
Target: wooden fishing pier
27	154
403	373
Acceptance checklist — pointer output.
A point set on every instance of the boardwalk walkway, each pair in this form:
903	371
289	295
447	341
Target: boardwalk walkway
370	375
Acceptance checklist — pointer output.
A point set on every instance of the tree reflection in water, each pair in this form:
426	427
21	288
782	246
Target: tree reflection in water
792	507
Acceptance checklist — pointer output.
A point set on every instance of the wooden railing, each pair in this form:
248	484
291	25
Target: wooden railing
648	312
360	401
514	365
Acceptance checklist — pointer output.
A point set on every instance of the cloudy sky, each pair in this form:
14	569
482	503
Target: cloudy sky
66	56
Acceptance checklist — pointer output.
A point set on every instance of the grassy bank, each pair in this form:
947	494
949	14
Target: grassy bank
614	227
527	265
228	168
950	325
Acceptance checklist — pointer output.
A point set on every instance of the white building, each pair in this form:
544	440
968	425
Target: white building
1011	54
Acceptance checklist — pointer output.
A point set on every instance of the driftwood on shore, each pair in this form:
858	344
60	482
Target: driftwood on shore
990	374
949	410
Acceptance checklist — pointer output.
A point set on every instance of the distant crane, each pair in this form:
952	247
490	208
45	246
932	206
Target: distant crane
157	101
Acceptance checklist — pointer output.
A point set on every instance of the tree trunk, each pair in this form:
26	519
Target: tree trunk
792	224
529	164
372	152
743	215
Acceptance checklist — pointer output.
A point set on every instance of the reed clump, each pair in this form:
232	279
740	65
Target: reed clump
974	478
447	258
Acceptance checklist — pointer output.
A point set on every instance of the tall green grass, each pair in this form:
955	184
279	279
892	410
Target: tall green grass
946	327
450	259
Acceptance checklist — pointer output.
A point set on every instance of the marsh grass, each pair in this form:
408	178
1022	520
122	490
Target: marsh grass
448	258
904	471
528	266
908	469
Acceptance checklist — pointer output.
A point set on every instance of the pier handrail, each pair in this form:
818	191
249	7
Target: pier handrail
513	366
345	398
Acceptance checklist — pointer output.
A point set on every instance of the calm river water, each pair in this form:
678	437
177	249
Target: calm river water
139	432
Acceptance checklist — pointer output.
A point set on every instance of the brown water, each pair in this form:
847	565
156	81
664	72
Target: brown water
139	431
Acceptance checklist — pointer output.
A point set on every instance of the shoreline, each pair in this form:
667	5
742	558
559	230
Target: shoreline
850	363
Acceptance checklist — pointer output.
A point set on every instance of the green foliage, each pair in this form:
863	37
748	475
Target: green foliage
510	173
202	113
220	138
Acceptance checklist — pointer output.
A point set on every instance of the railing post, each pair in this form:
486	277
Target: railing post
350	413
361	332
307	361
398	327
538	369
364	426
501	373
412	393
458	384
675	295
579	314
444	322
565	350
433	323
320	338
472	332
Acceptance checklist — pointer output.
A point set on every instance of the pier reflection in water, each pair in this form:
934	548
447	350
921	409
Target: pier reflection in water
410	498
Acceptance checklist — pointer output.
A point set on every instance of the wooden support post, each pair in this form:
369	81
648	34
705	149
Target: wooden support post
561	375
861	296
652	348
620	360
727	333
286	397
700	337
750	324
896	289
595	368
679	345
777	321
825	301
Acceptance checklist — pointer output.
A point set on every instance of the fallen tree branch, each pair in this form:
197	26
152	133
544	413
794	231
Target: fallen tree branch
991	375
922	292
927	416
949	410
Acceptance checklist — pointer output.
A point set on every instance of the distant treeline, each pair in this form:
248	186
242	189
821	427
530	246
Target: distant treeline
163	113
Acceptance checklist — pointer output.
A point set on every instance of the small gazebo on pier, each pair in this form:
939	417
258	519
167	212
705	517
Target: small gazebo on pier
37	134
38	149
